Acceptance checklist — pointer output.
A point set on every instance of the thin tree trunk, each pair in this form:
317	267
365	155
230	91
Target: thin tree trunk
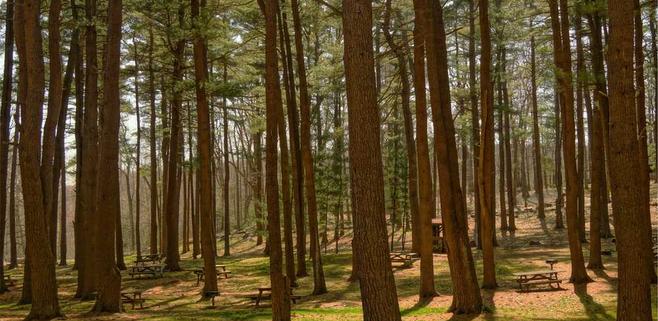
137	238
5	113
536	140
580	128
427	289
475	124
487	166
153	231
204	151
280	286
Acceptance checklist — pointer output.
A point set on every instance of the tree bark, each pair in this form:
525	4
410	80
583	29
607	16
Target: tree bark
153	230
475	124
561	48
460	259
373	266
87	280
536	140
108	207
173	179
5	113
40	260
427	288
280	286
628	198
487	166
203	148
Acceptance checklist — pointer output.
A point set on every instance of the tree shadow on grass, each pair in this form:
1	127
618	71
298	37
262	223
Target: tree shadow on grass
422	302
595	311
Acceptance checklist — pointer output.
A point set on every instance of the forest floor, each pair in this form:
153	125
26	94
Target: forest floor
176	296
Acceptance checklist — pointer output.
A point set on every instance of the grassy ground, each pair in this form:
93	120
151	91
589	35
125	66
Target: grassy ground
176	296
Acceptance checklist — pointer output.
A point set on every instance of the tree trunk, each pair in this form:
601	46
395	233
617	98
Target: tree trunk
427	289
153	231
173	182
487	165
561	48
475	123
87	277
108	207
628	198
601	103
40	260
580	128
405	93
280	286
536	140
641	119
13	255
49	139
5	113
203	149
137	237
467	297
373	266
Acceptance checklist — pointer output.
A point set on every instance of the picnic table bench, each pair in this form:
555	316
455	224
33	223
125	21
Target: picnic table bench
9	281
132	297
220	269
528	279
265	293
212	295
406	259
149	259
153	270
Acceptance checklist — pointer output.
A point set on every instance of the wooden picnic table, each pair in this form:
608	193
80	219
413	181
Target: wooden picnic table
265	293
406	258
133	297
551	262
149	259
147	269
528	279
8	280
200	273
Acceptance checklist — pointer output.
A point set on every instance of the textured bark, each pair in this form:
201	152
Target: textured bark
137	237
52	117
285	152
629	210
59	168
203	149
641	120
173	179
153	230
280	286
536	140
601	102
40	276
87	280
427	289
319	285
475	122
78	70
373	267
580	128
108	207
486	159
467	297
227	180
5	111
561	48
